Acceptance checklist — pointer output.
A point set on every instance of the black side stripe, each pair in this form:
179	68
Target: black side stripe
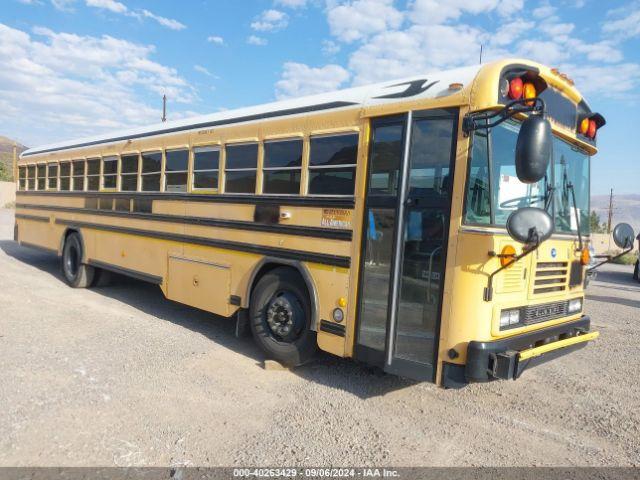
208	222
145	277
35	218
334	328
308	201
322	258
195	126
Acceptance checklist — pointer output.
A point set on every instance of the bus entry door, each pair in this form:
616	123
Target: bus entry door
406	222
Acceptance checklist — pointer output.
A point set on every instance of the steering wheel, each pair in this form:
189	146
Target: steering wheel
515	202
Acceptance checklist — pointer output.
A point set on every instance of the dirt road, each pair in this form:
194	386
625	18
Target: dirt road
121	376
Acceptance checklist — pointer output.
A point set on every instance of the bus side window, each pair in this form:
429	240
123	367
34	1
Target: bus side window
129	172
151	171
241	166
42	176
176	168
332	164
65	176
22	178
206	162
109	172
52	176
93	174
31	173
282	166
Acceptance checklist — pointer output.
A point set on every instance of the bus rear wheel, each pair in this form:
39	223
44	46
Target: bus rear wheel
75	273
280	317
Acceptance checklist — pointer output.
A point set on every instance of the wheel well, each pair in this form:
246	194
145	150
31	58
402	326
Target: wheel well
267	266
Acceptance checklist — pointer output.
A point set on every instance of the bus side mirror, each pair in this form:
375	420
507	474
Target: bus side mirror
623	236
533	149
530	225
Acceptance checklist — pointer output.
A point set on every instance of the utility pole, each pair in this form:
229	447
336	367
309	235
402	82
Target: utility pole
15	162
164	108
480	54
610	212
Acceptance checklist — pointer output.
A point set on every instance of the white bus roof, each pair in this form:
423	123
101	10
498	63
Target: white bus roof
430	85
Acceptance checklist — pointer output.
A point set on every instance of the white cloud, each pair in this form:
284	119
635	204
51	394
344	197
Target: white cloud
111	5
544	11
204	71
66	85
215	39
623	23
544	51
605	81
120	8
330	47
507	33
429	35
359	19
596	52
165	22
291	3
419	48
63	5
430	12
299	79
270	21
554	29
255	40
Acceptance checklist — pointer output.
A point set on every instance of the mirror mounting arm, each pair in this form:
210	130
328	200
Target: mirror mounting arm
609	258
488	120
526	250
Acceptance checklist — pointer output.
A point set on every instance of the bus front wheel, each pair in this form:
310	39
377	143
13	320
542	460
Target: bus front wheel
280	317
75	273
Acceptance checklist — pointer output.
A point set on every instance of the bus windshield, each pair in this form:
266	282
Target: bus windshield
494	191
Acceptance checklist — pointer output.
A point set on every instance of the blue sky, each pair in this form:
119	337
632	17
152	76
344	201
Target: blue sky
72	68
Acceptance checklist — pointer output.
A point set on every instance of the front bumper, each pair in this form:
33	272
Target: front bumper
508	358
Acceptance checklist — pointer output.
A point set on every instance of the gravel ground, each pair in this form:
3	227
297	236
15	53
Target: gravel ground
121	376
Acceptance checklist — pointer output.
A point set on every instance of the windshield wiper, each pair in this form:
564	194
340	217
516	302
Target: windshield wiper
548	194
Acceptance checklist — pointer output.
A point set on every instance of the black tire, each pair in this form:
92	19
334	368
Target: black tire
636	271
280	317
101	278
75	273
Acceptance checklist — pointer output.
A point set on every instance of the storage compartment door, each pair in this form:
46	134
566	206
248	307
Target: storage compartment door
200	284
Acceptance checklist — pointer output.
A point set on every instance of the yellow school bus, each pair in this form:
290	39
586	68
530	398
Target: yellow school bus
413	224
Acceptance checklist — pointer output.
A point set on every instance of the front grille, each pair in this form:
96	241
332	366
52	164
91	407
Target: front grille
550	277
542	313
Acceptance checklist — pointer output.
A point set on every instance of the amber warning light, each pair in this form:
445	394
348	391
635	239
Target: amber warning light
589	125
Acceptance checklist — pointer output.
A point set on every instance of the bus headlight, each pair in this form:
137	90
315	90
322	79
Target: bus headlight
509	317
575	305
